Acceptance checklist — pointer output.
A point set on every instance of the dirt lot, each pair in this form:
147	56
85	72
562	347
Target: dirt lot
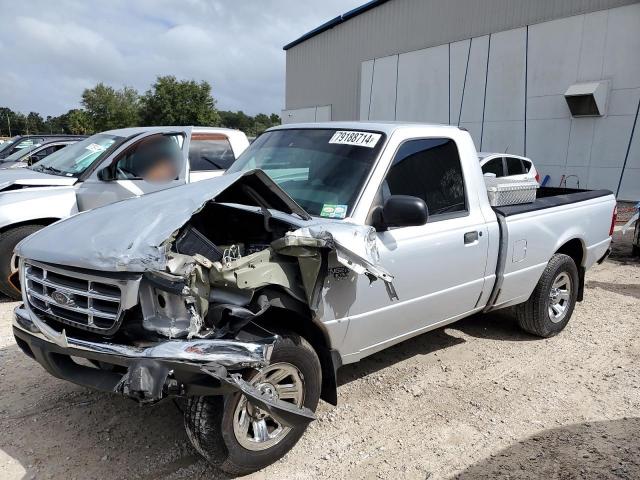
478	399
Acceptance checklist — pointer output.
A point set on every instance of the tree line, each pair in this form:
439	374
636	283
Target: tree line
169	101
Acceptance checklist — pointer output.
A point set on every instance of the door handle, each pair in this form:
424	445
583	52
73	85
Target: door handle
470	238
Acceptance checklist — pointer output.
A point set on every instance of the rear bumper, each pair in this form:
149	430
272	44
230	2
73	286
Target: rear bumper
147	374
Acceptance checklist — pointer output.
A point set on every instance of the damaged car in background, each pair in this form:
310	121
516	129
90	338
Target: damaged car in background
98	170
322	244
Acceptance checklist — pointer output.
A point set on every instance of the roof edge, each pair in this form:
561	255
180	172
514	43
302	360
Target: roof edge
335	21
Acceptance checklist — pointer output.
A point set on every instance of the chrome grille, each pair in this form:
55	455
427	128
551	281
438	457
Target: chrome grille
72	298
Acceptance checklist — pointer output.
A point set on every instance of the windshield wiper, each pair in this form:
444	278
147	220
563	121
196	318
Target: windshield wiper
49	169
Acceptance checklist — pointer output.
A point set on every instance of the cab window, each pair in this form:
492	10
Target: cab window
156	158
429	169
210	151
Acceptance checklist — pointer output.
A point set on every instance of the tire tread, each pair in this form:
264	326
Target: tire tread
8	240
205	419
532	315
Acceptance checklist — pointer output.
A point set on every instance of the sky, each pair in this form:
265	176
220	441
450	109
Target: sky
50	51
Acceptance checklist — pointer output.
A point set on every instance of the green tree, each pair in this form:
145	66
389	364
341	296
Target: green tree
78	122
179	102
34	123
12	123
252	126
52	124
108	108
261	123
238	120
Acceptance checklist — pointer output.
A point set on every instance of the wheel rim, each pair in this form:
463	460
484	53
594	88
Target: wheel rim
254	428
560	297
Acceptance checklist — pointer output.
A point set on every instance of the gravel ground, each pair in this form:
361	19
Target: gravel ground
477	399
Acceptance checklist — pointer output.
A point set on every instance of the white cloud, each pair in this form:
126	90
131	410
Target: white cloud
49	58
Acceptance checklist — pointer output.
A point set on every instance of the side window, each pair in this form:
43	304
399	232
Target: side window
210	151
26	143
39	155
527	166
429	169
494	166
157	158
514	166
45	152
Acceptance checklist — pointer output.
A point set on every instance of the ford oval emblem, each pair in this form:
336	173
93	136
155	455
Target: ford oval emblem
61	298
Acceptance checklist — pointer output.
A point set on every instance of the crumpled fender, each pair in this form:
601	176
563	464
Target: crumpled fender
355	247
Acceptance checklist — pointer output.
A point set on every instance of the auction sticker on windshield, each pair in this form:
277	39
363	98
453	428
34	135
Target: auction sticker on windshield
333	211
360	139
95	148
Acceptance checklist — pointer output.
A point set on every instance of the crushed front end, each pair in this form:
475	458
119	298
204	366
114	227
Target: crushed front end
86	328
184	304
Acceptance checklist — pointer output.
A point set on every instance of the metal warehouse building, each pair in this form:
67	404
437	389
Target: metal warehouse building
558	81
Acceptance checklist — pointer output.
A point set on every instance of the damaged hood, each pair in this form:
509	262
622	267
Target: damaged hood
135	234
10	178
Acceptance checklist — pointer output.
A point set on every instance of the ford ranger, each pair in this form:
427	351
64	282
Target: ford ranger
105	168
321	245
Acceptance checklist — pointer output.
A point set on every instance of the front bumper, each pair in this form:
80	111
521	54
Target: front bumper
173	367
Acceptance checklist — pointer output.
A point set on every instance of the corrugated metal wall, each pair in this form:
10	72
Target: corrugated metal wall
325	70
506	88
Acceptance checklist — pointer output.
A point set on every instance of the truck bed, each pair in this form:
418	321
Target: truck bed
548	197
575	220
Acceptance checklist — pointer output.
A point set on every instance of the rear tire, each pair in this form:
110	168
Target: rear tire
214	424
551	304
8	261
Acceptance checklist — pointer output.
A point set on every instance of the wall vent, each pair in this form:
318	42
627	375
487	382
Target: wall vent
587	99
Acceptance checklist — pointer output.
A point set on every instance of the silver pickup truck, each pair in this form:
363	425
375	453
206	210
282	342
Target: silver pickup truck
322	244
105	168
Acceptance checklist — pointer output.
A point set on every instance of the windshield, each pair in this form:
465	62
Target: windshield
74	159
323	170
7	143
18	154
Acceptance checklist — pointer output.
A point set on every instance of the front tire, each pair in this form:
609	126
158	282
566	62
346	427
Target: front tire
239	438
9	261
551	304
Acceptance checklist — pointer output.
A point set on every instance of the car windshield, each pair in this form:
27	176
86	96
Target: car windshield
71	161
7	143
323	170
18	154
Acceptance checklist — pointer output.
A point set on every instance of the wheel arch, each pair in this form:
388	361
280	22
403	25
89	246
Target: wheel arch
575	249
36	221
296	317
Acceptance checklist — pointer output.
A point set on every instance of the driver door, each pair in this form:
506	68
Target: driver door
152	162
438	267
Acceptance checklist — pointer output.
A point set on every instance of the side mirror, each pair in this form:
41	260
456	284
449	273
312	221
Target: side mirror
106	175
490	175
401	211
